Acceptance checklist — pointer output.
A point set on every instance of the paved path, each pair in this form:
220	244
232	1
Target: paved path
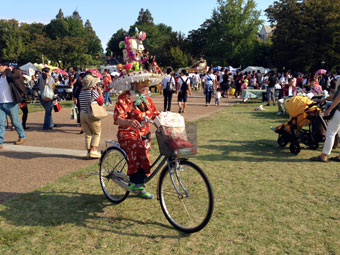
48	155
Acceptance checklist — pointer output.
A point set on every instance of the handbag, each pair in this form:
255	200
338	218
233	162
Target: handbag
47	93
56	107
96	111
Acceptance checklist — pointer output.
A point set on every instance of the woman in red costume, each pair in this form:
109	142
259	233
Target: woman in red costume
131	108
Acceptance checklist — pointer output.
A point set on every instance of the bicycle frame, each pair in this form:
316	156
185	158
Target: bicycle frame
170	160
124	179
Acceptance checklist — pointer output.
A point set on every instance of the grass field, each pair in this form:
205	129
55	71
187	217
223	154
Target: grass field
267	201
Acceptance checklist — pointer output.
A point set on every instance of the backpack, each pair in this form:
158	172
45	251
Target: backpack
170	87
184	86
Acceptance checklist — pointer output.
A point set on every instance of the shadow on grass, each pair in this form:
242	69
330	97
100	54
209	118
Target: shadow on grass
250	151
7	195
33	155
270	115
49	209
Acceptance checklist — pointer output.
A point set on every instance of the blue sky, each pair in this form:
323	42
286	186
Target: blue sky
107	16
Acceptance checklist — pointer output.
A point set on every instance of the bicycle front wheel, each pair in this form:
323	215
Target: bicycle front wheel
186	196
113	160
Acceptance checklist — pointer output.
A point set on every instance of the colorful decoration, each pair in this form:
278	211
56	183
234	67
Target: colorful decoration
139	67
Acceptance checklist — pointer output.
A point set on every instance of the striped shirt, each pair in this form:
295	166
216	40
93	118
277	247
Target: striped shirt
85	99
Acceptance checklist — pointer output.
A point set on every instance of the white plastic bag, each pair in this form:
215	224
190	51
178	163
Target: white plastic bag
47	94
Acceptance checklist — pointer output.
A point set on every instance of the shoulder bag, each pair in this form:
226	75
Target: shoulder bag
96	111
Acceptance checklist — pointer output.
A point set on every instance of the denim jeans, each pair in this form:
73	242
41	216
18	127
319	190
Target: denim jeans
270	94
48	121
107	97
10	109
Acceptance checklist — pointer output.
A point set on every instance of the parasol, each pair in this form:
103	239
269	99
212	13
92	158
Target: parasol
321	71
96	73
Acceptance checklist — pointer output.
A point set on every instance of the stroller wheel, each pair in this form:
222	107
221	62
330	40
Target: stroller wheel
314	146
282	141
295	148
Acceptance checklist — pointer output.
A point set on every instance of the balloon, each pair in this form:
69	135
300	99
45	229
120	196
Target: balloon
128	67
141	35
121	45
136	66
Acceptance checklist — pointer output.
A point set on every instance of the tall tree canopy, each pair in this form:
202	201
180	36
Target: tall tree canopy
65	41
230	35
306	35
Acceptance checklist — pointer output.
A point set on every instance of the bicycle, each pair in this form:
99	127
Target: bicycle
183	189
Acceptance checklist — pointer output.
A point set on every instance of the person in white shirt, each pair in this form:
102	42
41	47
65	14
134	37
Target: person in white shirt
196	81
183	91
169	87
210	86
9	103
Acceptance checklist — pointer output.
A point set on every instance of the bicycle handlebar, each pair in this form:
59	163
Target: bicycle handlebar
147	120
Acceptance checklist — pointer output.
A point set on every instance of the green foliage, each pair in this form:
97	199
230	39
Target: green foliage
113	44
306	34
177	58
64	41
230	35
11	41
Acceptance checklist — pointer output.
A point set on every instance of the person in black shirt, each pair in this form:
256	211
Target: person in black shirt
271	88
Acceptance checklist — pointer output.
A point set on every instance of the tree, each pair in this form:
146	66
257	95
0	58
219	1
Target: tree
12	46
60	14
306	35
177	58
76	16
113	44
230	35
92	40
145	17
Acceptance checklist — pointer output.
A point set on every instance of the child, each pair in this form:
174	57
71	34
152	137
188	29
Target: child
218	96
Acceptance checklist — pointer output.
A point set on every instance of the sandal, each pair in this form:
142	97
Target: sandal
318	159
337	159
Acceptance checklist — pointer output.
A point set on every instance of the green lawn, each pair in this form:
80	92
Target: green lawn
267	201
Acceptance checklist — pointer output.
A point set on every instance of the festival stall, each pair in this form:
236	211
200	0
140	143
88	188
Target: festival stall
28	69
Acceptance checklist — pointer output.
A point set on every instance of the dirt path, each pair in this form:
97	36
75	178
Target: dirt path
48	155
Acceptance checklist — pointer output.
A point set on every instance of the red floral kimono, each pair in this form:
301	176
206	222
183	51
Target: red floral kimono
131	140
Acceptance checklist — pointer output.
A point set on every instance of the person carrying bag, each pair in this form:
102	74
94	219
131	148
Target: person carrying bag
96	108
91	99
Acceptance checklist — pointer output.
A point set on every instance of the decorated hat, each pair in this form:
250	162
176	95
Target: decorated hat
138	66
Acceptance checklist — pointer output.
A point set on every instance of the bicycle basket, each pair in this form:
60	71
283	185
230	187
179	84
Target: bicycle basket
178	142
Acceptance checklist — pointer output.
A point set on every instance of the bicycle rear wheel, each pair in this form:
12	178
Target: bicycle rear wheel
113	159
189	208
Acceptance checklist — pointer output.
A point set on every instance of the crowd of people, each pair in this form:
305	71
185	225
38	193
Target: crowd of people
223	83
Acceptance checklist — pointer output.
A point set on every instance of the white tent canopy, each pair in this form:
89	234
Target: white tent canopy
29	69
256	68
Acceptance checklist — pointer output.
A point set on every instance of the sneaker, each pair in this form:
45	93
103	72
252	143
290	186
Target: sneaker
95	154
20	141
139	190
279	113
144	194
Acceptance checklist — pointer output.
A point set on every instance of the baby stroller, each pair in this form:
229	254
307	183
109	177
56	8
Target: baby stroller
303	112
